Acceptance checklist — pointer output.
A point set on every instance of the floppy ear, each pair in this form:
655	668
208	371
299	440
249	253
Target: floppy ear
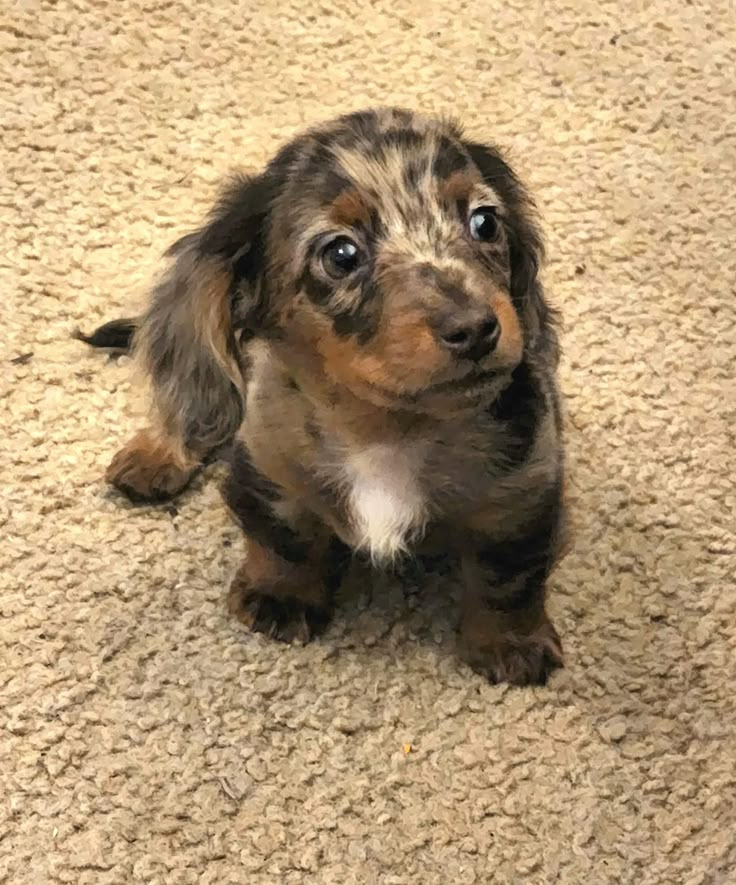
526	250
188	338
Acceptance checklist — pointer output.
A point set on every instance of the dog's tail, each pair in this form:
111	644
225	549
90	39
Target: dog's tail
115	335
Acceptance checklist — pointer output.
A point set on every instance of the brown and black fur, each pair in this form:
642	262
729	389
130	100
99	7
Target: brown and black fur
410	402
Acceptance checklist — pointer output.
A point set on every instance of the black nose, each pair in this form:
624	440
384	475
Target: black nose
470	338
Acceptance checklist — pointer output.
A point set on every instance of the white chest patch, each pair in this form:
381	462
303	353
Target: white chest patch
385	500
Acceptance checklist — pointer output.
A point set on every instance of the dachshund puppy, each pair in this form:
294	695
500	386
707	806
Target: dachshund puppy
362	329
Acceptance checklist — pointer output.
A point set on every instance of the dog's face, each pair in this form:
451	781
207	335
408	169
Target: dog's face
389	257
382	252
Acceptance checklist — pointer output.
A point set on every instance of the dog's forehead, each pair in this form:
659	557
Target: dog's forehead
379	158
404	166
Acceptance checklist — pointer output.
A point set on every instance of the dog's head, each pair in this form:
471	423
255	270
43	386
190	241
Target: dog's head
383	251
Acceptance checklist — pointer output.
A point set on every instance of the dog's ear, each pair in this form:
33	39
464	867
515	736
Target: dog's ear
188	338
526	250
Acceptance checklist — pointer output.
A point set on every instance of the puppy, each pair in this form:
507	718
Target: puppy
362	329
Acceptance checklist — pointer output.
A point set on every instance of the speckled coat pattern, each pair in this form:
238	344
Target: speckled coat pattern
144	737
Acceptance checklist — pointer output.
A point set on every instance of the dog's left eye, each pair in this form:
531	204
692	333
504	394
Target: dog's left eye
340	257
484	224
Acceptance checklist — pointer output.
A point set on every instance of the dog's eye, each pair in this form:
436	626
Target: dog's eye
484	224
340	257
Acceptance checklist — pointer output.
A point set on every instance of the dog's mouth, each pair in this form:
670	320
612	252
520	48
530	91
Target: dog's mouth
473	387
477	379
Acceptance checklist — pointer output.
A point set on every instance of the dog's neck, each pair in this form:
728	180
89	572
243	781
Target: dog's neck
379	460
349	415
385	472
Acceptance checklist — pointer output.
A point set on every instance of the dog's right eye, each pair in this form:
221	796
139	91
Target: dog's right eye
484	224
340	257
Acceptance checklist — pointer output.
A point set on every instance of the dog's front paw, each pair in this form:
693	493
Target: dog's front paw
147	470
516	658
284	618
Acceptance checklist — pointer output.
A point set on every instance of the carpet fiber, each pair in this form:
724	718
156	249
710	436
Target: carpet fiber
144	737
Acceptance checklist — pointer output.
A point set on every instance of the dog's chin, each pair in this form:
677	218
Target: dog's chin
475	390
477	378
471	390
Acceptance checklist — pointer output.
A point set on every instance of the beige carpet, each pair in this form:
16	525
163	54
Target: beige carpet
143	737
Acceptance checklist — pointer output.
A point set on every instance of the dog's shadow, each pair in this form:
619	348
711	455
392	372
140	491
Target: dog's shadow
416	603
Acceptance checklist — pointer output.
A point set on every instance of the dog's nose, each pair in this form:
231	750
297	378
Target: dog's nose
470	337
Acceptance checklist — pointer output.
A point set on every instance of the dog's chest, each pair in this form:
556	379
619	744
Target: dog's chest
384	495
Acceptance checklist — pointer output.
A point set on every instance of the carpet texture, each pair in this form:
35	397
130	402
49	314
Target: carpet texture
144	736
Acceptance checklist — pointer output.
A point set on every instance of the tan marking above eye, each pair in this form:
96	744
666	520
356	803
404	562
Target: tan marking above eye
349	208
459	186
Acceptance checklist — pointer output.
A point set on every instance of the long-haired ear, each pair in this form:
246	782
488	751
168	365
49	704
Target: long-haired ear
188	338
526	250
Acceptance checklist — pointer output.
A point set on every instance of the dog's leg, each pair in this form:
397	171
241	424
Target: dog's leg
151	467
505	632
288	601
286	585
